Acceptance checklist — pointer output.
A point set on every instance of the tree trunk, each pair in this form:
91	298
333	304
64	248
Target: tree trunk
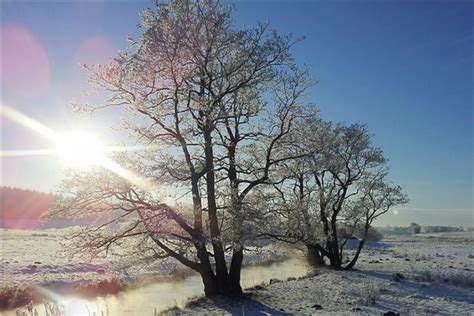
360	246
209	280
233	282
228	285
334	256
356	256
333	245
212	286
314	256
234	288
221	266
335	262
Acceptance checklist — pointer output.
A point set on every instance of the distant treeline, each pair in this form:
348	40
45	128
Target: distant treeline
442	229
414	228
22	209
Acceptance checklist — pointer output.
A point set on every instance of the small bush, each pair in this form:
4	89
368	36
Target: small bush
414	228
371	295
372	234
368	295
397	277
425	276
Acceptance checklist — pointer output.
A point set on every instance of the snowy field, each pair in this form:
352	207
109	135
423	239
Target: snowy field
426	274
37	257
32	260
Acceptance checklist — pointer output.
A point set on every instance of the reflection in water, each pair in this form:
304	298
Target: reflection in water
163	295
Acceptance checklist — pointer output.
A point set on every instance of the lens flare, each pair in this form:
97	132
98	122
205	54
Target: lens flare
80	149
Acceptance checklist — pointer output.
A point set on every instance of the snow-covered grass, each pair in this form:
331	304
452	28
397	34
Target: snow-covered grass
406	275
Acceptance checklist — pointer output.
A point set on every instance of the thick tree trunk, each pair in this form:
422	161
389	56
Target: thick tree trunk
314	256
334	256
209	280
221	266
233	282
333	245
212	287
234	288
335	262
228	285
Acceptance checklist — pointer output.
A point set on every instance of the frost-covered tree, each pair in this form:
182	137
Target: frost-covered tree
294	214
213	107
375	198
339	185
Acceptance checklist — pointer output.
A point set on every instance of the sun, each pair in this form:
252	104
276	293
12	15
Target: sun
80	149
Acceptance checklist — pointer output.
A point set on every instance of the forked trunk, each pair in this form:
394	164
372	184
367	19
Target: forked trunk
213	286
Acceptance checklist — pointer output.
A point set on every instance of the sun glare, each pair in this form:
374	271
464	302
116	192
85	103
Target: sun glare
80	149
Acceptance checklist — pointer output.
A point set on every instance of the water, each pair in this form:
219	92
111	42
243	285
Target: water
160	296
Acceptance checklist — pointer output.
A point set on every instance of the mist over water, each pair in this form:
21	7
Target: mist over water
163	295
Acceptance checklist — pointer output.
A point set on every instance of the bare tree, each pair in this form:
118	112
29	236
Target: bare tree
213	106
339	184
376	198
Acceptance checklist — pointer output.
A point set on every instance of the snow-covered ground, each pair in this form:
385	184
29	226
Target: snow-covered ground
427	273
38	257
35	264
405	275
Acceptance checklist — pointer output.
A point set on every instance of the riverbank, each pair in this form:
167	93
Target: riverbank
36	267
409	275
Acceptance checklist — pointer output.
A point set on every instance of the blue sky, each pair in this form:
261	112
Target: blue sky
404	68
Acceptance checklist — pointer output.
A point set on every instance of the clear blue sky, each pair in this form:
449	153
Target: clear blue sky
404	68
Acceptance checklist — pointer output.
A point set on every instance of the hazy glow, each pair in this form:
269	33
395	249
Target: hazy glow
68	305
80	149
95	50
24	120
32	152
25	66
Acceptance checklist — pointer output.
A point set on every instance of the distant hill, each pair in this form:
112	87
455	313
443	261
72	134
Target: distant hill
22	209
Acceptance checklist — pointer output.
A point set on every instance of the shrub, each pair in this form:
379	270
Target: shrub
15	297
372	235
371	295
414	228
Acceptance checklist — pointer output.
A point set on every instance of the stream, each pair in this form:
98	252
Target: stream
157	297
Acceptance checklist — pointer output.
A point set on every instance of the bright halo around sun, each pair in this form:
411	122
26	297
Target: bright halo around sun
80	149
